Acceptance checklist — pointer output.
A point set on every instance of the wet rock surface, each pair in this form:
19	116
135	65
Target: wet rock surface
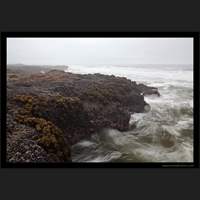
48	112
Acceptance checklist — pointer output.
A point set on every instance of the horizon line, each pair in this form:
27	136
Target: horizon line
99	64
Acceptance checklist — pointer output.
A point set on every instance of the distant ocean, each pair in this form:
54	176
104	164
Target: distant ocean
165	134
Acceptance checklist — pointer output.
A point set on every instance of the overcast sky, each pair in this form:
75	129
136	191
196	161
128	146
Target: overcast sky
66	51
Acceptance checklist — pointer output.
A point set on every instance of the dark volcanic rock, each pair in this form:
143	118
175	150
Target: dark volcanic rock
56	109
148	90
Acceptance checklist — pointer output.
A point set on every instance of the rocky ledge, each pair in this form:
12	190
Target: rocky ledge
48	112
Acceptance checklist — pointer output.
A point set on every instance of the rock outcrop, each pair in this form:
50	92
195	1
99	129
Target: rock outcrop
49	112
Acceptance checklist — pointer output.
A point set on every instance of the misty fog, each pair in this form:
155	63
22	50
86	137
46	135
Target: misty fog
88	51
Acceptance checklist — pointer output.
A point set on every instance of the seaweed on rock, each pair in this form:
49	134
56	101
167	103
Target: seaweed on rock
63	108
51	137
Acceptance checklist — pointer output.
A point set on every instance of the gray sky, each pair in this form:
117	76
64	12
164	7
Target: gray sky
64	51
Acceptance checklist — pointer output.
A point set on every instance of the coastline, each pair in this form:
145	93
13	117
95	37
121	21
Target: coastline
48	112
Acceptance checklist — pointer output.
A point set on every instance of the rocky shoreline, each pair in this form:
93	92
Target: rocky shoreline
50	111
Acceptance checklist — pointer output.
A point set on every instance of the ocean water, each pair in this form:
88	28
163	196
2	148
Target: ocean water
164	134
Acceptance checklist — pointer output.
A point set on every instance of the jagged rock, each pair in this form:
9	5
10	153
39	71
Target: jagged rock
61	108
146	90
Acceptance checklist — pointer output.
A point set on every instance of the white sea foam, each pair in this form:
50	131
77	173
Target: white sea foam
164	134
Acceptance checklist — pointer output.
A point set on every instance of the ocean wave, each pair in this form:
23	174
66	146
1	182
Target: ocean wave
164	134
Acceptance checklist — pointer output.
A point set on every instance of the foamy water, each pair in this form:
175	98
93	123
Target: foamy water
165	134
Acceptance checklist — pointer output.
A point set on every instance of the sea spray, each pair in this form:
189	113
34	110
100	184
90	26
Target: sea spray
164	133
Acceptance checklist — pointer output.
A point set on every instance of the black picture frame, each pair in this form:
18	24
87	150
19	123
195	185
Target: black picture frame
194	35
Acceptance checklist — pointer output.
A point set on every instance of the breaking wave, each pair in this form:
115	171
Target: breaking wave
164	134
